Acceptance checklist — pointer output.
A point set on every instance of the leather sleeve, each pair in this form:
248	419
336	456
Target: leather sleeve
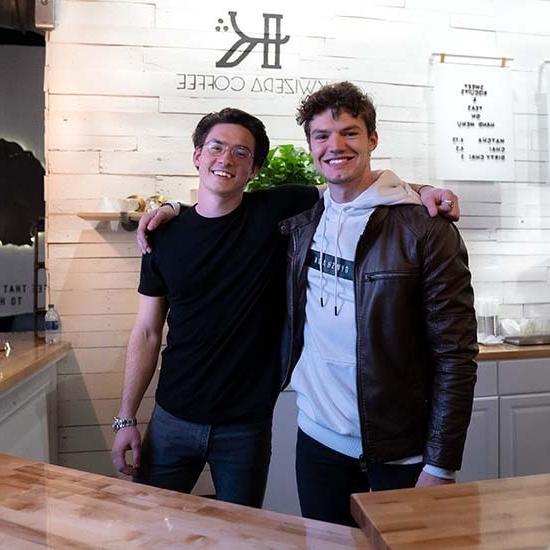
448	302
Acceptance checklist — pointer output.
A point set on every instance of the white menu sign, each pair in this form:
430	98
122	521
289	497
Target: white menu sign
548	123
474	123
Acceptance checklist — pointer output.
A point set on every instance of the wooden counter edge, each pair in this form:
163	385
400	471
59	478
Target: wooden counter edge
51	355
341	535
507	351
374	537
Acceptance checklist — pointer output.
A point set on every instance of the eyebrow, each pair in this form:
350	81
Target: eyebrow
225	143
346	129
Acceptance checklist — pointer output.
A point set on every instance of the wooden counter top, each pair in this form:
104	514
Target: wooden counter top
502	352
498	514
28	355
45	505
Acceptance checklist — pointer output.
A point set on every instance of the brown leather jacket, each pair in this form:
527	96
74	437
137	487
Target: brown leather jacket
416	331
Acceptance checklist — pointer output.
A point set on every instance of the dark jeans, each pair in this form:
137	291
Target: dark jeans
175	451
326	479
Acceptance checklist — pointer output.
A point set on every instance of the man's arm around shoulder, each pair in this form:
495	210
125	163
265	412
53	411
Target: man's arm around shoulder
141	359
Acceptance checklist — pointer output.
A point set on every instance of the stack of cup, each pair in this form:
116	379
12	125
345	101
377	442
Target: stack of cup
487	319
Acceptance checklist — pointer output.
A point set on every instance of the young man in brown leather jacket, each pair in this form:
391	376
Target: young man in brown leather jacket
382	322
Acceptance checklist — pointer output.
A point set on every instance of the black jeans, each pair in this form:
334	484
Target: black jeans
326	479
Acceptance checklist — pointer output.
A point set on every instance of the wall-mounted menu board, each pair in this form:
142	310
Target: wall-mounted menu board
548	120
474	123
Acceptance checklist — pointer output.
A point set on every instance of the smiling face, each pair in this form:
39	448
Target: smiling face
341	146
226	174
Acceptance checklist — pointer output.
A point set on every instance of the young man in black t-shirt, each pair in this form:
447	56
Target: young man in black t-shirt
218	273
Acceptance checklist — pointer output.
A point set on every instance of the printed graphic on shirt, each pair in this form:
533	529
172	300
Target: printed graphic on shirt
345	267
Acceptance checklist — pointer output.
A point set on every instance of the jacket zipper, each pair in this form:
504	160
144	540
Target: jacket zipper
360	397
390	275
290	313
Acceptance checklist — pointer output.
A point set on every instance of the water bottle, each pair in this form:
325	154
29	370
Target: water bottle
52	325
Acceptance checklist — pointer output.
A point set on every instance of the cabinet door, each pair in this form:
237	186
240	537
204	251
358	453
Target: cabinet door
480	459
282	494
524	434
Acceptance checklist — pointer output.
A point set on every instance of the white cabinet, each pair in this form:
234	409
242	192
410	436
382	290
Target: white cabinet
524	387
480	460
481	454
524	435
27	417
509	434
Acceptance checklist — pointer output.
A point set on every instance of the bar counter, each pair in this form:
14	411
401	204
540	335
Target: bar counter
45	505
28	355
499	514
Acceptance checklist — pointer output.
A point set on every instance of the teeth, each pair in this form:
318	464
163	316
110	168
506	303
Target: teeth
337	161
222	174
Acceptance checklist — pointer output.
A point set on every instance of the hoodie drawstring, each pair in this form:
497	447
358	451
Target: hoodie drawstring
336	250
336	257
321	258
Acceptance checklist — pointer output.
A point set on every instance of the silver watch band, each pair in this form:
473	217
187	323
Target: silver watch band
119	423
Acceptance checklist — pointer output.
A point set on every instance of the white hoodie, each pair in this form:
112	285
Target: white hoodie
325	375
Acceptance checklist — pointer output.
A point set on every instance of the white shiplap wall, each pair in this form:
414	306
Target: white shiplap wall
116	124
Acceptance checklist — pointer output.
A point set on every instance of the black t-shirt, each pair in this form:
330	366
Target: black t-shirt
224	280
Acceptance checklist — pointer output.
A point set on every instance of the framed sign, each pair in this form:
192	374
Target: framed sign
474	123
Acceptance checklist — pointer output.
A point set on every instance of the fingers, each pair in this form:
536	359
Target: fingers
449	206
126	439
432	208
119	462
136	456
149	222
142	233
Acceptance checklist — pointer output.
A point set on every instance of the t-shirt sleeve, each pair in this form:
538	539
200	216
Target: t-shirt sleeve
151	282
289	200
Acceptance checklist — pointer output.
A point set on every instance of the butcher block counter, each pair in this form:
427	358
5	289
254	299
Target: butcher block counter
503	352
42	505
499	514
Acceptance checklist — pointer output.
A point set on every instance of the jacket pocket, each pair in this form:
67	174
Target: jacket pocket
391	274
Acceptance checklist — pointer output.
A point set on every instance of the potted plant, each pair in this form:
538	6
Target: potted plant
286	164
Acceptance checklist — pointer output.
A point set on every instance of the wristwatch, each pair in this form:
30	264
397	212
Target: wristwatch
119	423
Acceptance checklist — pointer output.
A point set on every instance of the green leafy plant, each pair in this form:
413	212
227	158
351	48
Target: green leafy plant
286	164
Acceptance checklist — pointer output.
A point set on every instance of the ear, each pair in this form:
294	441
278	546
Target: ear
254	172
373	141
196	157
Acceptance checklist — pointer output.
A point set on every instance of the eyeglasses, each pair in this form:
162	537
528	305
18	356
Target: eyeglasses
219	148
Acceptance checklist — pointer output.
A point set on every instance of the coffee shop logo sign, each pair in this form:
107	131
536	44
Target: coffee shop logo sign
238	52
267	42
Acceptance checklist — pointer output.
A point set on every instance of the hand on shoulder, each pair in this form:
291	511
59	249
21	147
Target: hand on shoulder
151	221
438	201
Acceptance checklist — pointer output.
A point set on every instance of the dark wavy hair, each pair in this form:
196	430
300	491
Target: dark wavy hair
235	116
341	96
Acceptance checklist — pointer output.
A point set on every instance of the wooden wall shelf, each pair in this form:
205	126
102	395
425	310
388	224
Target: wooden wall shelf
110	216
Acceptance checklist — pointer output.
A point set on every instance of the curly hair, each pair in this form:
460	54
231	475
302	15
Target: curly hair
341	96
235	116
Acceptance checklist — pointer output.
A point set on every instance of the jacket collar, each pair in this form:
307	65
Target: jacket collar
313	215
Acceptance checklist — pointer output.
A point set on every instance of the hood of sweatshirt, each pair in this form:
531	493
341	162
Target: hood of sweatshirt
342	224
388	189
